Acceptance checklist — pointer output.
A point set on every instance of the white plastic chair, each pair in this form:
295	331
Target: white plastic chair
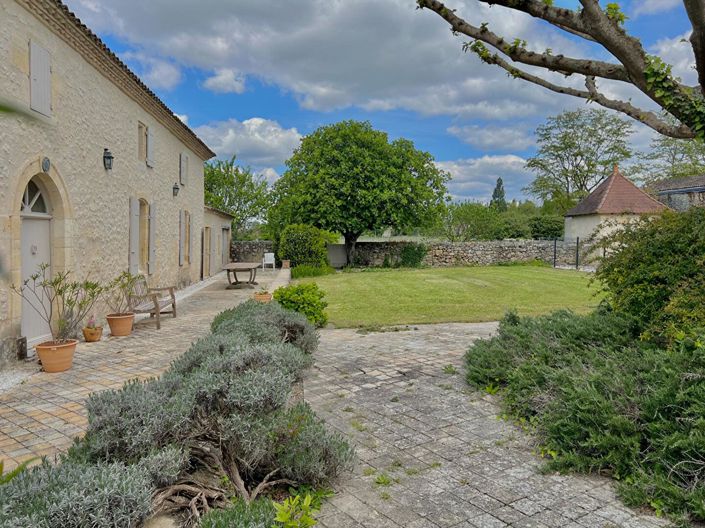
268	259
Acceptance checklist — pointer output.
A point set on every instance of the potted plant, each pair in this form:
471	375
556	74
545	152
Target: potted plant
117	297
92	332
263	296
286	264
63	304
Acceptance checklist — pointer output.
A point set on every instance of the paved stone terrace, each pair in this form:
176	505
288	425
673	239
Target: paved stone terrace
43	415
431	452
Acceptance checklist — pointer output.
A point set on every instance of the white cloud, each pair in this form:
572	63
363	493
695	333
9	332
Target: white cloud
475	178
258	142
678	52
494	138
650	7
183	118
225	80
334	54
156	73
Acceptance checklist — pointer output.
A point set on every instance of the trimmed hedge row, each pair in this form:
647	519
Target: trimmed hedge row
216	426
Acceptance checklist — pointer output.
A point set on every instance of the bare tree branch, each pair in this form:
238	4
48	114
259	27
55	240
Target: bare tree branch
696	14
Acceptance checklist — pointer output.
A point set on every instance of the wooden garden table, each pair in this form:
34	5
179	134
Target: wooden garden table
234	267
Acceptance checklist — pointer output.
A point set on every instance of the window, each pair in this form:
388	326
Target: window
145	144
184	238
39	79
33	201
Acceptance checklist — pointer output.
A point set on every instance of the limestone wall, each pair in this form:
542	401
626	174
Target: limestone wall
250	250
90	205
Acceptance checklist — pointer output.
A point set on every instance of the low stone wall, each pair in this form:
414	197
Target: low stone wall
250	250
476	253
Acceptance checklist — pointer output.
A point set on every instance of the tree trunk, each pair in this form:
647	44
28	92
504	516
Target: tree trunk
350	241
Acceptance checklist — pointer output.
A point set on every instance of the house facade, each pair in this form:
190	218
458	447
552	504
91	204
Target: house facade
614	202
217	237
682	193
97	175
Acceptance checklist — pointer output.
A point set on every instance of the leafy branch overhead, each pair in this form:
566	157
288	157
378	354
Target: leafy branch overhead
630	63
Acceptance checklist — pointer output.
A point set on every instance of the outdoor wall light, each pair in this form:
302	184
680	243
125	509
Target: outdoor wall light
175	189
107	159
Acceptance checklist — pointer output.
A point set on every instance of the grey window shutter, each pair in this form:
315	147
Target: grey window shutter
39	79
183	168
150	148
152	262
134	255
214	253
193	239
182	236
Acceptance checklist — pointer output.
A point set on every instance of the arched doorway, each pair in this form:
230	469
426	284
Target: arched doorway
35	249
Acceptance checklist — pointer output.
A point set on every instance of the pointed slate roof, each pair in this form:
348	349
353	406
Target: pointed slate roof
617	195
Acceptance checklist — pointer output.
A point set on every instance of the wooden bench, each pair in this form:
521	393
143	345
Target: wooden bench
144	299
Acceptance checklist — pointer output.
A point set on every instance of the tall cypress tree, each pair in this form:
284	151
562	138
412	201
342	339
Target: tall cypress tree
499	201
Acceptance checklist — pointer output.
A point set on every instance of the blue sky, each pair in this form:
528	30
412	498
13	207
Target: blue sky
251	78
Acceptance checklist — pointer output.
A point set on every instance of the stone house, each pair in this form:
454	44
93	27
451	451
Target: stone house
215	240
613	202
100	178
681	193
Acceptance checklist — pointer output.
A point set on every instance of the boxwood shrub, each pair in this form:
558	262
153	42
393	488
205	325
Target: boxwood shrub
306	299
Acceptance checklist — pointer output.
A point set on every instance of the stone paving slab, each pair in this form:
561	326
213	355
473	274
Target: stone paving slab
432	453
46	412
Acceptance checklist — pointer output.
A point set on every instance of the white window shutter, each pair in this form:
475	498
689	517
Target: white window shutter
182	236
150	148
134	255
152	262
183	168
39	79
214	252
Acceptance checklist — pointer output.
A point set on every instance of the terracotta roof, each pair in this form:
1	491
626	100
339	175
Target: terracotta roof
679	184
218	211
617	195
55	15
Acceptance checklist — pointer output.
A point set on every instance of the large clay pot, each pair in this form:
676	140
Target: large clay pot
56	357
91	335
263	297
120	324
286	264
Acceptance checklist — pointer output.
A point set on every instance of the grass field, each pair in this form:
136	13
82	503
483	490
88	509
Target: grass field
437	295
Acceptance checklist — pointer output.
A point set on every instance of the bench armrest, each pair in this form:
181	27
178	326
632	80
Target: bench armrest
168	288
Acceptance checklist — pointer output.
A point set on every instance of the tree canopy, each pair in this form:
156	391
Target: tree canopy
576	151
235	190
499	200
628	61
669	158
349	178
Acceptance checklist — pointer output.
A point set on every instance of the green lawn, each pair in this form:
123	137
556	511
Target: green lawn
437	295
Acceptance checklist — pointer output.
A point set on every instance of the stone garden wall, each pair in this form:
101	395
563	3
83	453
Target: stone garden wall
250	250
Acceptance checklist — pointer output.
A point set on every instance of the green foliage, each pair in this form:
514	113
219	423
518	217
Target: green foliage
576	151
499	201
306	299
412	255
614	12
349	178
74	495
237	191
652	270
295	512
6	477
546	227
306	270
256	514
602	401
303	245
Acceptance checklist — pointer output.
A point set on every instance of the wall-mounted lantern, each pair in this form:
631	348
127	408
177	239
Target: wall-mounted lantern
175	189
107	159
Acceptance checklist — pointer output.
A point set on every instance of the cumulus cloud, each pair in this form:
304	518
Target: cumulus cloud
335	54
258	142
650	7
678	53
494	138
157	73
475	178
225	80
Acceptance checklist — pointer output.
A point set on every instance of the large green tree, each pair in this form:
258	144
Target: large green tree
576	151
499	200
349	178
669	158
622	59
236	190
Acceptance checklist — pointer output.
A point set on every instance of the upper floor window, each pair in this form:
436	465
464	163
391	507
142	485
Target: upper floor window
39	79
145	144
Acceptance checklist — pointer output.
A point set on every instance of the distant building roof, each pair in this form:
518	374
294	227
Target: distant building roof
617	195
218	211
679	184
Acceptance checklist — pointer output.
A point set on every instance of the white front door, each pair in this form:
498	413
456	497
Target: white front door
36	250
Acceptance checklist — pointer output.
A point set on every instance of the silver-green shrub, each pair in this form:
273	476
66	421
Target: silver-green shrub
257	514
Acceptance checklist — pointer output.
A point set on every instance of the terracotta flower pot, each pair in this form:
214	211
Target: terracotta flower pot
286	264
56	357
120	324
263	297
93	334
